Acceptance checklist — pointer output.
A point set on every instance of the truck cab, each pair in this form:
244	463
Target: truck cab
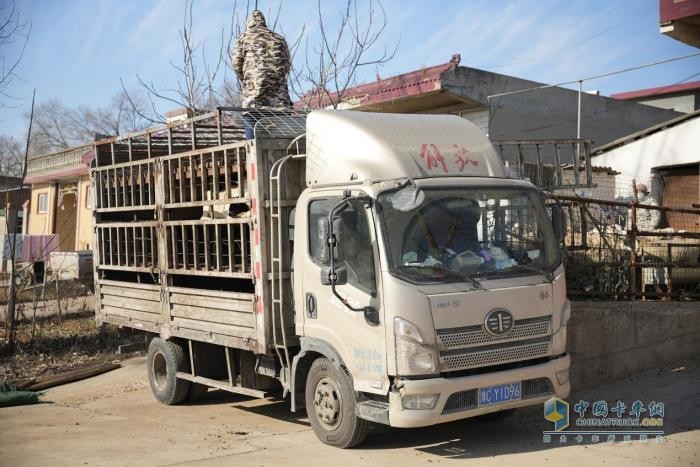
428	285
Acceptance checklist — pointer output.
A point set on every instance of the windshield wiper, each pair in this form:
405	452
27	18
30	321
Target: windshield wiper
439	267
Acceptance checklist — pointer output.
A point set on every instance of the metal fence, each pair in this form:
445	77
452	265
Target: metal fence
621	244
627	246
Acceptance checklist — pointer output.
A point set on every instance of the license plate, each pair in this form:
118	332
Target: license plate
492	395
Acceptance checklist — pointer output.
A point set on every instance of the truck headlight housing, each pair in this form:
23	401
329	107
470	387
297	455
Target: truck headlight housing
419	401
559	337
559	342
413	356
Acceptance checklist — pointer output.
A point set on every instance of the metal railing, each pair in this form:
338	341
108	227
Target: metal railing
57	161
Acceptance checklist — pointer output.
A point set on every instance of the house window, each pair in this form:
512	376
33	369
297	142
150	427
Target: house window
42	203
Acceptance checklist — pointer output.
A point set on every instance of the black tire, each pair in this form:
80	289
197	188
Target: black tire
330	406
164	360
197	392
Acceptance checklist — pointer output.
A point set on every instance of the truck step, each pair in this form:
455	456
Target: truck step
223	385
374	411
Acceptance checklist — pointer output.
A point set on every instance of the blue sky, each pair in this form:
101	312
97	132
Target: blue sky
79	49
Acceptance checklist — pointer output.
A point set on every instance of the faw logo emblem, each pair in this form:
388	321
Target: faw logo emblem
498	322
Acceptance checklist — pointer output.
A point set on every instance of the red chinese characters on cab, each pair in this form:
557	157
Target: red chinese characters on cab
433	158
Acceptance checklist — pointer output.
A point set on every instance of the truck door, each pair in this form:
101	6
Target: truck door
359	342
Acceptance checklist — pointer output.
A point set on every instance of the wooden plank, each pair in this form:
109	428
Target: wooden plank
131	314
232	221
129	322
212	315
202	272
130	292
135	304
215	328
46	382
212	293
205	301
213	338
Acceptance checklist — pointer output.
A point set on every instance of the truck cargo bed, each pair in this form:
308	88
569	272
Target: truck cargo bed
180	228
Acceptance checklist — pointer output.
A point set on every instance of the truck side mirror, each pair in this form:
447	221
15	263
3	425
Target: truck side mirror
341	276
324	247
559	224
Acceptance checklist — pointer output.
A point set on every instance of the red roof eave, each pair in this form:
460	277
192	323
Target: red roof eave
658	91
70	172
413	83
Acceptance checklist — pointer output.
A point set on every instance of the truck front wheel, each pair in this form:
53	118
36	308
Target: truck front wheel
164	360
330	405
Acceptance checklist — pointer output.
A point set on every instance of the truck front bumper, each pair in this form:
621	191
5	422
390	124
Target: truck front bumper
459	396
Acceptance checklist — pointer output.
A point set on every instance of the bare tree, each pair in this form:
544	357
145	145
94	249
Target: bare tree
201	86
12	30
331	67
10	157
10	322
59	127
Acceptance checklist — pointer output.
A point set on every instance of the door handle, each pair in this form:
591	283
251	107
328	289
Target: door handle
311	311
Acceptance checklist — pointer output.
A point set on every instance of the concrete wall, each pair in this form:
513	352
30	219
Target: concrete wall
549	113
614	340
672	146
680	103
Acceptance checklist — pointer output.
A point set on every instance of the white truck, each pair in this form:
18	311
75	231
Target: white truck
380	268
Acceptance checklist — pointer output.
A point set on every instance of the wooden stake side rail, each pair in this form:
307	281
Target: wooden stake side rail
203	177
211	247
125	186
127	246
195	266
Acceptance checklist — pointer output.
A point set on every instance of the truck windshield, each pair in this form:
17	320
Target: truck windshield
458	234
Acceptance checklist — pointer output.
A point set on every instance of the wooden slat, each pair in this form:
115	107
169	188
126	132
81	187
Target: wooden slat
130	285
212	293
131	304
213	315
205	301
131	314
131	292
216	328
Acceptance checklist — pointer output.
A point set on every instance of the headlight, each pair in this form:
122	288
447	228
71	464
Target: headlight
413	357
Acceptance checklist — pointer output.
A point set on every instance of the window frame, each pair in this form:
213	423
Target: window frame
370	224
45	197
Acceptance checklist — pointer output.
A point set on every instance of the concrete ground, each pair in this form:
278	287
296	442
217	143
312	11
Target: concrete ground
113	419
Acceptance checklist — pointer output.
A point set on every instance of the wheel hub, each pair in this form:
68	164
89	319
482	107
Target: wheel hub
160	371
328	402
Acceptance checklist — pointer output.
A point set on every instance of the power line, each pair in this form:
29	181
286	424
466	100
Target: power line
603	75
575	44
609	109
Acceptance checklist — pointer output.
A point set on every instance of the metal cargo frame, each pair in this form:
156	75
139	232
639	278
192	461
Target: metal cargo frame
169	256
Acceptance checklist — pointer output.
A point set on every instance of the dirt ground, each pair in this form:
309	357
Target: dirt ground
52	344
113	419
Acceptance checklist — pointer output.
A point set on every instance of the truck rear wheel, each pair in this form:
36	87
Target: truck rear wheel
330	405
164	360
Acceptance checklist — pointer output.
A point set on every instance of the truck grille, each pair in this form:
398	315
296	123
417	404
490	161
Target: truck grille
455	338
494	354
469	399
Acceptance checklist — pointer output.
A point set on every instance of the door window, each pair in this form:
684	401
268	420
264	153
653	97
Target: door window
358	257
